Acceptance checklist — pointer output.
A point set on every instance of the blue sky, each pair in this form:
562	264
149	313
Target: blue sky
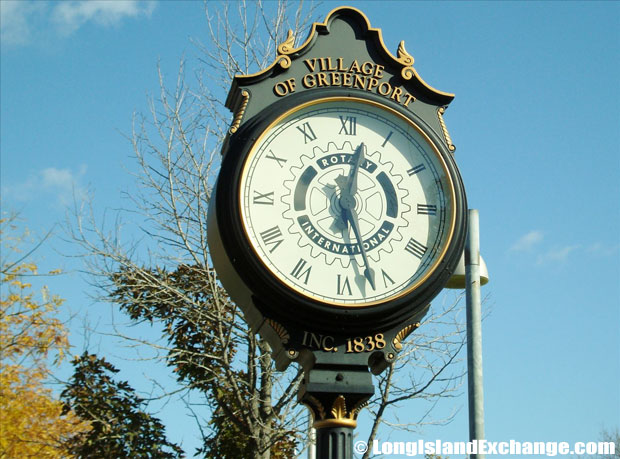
535	122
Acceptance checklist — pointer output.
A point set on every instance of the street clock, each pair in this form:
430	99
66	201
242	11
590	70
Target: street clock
339	212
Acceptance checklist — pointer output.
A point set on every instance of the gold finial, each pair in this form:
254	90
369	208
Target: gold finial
245	95
403	56
339	408
446	135
338	415
401	335
406	60
286	47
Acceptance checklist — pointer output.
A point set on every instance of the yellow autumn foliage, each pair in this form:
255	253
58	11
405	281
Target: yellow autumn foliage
29	330
31	420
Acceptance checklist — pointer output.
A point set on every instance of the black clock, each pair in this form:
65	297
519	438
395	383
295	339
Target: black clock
337	210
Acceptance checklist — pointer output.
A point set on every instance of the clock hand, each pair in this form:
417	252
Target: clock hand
348	189
348	185
351	218
359	159
349	215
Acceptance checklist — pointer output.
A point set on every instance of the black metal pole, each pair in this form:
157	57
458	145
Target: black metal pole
334	442
335	395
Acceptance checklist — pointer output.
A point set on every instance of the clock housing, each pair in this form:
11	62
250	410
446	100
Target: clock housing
277	235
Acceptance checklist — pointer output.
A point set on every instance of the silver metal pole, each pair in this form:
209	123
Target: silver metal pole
474	331
311	440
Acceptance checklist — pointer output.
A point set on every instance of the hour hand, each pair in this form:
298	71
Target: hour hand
348	185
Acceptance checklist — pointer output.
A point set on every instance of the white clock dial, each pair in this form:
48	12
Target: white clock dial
347	202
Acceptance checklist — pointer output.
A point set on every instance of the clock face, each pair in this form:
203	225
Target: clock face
347	202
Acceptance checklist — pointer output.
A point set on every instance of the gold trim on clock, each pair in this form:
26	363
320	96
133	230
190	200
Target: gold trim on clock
239	115
450	195
285	50
444	129
401	335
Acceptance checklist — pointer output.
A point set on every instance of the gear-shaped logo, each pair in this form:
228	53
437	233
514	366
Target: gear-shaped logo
315	209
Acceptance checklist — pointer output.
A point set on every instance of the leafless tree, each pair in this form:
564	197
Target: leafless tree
168	278
425	372
606	438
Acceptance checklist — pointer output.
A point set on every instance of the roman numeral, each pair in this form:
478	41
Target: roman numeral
272	237
427	209
416	169
386	279
415	248
298	271
387	138
280	161
348	125
307	131
344	285
263	198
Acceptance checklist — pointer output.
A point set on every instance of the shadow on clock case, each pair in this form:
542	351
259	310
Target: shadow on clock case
259	293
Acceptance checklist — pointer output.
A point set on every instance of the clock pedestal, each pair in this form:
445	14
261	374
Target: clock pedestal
335	395
339	212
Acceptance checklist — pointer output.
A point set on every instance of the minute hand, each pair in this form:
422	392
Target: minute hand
347	203
351	217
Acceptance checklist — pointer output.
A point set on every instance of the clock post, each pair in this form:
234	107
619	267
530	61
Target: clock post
339	212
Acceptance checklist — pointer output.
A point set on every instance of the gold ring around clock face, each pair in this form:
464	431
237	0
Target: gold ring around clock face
347	202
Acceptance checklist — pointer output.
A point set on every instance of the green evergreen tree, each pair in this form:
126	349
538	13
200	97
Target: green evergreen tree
193	311
120	428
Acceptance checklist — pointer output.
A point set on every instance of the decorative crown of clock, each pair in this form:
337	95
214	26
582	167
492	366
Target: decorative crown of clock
339	212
